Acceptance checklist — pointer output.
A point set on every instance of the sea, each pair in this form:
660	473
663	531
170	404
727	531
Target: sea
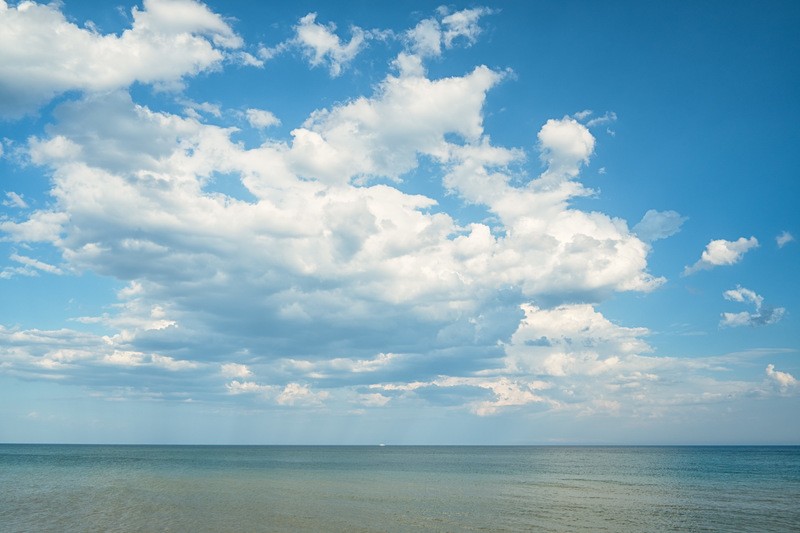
398	488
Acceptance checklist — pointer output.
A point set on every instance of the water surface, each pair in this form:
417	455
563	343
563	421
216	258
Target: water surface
403	488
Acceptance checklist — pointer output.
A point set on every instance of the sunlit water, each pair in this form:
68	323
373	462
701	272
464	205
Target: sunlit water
292	488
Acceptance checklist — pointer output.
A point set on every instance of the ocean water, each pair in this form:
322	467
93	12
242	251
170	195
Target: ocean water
403	488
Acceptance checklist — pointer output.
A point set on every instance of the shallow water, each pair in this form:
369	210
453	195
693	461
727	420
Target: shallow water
406	488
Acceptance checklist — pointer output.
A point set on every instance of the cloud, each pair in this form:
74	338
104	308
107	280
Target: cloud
565	145
373	400
571	339
657	225
783	380
363	262
721	252
462	24
784	238
36	264
310	271
763	314
169	39
426	38
248	387
607	118
429	35
299	394
235	370
320	45
15	200
40	226
259	118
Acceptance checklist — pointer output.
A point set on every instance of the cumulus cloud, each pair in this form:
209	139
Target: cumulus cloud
565	145
784	238
461	24
362	262
657	225
571	339
429	35
260	118
783	380
317	278
248	387
299	394
763	315
168	40
320	45
721	252
426	38
235	370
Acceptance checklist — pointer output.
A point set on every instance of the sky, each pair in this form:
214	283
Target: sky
406	223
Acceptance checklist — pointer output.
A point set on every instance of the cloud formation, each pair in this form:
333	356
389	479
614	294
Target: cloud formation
305	271
783	380
784	238
15	200
721	252
321	45
657	225
169	39
260	118
763	315
429	35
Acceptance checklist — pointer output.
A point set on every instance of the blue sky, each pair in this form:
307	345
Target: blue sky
511	223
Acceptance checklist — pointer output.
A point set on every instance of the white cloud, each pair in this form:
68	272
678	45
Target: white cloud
327	277
569	340
429	35
248	387
15	200
426	38
196	109
169	39
373	400
566	145
783	380
362	262
607	118
740	294
763	315
322	46
721	252
657	225
462	23
341	365
784	238
36	264
259	118
135	359
41	226
507	393
299	394
235	370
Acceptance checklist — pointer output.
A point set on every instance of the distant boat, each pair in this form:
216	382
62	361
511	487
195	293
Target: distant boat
381	444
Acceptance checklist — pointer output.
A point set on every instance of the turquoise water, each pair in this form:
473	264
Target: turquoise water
405	488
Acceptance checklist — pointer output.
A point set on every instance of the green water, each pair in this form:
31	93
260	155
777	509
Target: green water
289	488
